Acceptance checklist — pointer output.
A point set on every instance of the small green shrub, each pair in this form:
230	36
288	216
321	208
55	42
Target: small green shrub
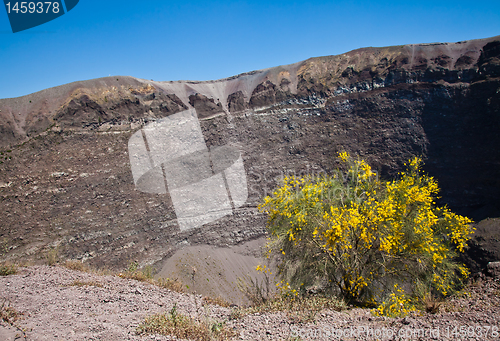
4	247
148	271
133	266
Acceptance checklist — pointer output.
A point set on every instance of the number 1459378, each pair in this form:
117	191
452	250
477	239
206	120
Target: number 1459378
32	7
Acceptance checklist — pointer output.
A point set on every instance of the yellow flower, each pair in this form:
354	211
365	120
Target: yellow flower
344	156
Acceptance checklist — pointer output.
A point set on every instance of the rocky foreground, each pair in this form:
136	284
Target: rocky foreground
56	303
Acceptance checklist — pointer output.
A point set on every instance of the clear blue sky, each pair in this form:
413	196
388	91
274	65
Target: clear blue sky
198	40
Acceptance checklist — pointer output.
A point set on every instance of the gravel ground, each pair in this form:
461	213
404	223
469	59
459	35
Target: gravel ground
54	308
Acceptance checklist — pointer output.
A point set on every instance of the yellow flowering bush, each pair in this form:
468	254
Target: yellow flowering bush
357	236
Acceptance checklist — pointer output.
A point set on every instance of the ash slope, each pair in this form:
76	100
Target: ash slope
65	178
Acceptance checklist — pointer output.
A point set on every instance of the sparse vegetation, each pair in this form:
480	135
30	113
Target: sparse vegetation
299	308
184	327
8	314
7	269
215	301
83	267
258	293
144	275
431	304
170	283
77	283
4	247
147	275
52	256
76	265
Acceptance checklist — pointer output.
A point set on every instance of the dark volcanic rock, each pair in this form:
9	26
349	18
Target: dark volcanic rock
493	269
205	107
267	93
236	102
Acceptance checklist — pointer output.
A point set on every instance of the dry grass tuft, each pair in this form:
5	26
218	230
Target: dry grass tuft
184	327
7	269
147	275
166	283
300	309
216	301
172	284
8	314
80	266
52	257
137	275
77	266
432	305
77	283
258	293
144	275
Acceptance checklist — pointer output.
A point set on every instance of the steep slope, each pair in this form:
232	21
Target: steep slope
66	180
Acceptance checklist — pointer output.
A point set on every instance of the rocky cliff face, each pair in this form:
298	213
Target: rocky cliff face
66	179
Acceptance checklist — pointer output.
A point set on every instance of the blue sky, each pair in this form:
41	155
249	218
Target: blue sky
200	40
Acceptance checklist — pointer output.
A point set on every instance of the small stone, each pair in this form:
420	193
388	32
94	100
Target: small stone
493	269
405	321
